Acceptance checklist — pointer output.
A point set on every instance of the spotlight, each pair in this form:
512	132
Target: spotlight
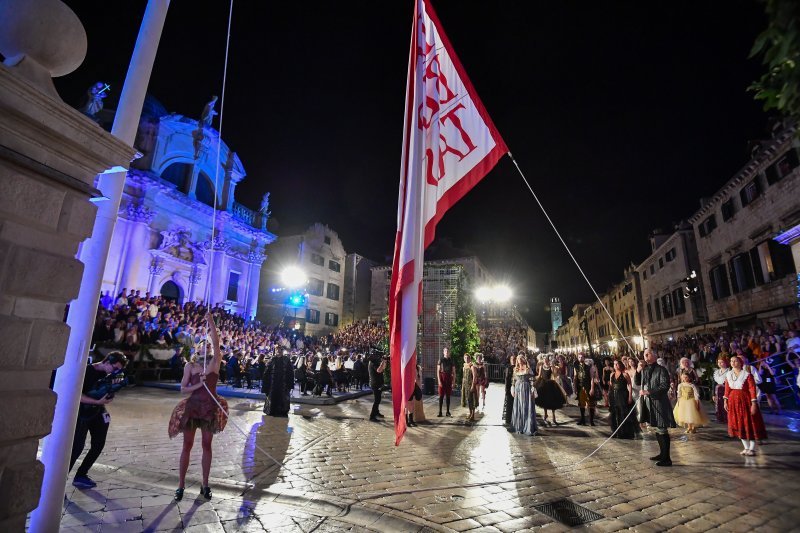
293	277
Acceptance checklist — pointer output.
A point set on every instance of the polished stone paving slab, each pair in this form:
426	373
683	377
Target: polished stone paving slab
341	472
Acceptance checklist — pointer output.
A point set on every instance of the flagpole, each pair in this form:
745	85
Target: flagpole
57	447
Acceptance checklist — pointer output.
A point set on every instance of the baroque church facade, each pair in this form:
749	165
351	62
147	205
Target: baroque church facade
169	239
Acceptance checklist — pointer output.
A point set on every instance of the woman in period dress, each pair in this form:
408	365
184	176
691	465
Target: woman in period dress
523	418
550	396
508	378
620	398
741	403
469	396
199	410
481	380
563	376
723	367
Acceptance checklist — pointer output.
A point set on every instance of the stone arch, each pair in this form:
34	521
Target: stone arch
172	291
178	173
204	190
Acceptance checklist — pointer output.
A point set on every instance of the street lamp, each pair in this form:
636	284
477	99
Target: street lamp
293	277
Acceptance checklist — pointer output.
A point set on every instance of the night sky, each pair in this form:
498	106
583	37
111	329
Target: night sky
621	114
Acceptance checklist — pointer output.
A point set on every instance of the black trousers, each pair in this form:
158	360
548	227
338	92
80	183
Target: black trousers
95	426
376	392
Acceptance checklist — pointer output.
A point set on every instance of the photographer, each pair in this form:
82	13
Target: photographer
93	417
377	365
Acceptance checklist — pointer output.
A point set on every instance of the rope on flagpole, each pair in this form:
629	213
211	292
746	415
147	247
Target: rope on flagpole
558	234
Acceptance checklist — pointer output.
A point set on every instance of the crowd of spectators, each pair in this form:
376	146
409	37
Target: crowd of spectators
497	343
360	336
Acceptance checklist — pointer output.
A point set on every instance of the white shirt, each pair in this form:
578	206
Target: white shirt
719	375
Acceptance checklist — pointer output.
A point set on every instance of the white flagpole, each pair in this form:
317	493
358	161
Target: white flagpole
57	447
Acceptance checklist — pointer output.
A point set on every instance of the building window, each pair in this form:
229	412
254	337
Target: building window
658	310
652	269
708	225
644	274
312	316
315	286
718	279
749	193
331	319
728	209
660	262
771	261
649	312
670	255
782	167
666	303
335	266
333	291
317	259
327	239
678	302
741	272
233	286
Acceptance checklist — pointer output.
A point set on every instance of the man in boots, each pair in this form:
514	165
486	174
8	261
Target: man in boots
656	408
585	380
446	377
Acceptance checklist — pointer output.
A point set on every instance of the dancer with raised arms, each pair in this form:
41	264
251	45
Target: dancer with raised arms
199	410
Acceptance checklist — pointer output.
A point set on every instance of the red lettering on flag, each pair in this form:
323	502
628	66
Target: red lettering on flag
449	145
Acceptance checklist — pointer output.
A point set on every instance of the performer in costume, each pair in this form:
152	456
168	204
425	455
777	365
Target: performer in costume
562	377
481	380
277	383
550	396
199	410
620	396
656	409
741	403
447	378
508	376
469	396
416	396
688	411
523	419
719	389
585	379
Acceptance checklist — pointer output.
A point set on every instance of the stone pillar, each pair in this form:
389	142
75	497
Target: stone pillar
69	378
49	157
194	279
256	258
136	247
155	269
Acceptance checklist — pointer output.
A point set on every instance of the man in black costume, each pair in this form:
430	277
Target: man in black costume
656	408
376	366
277	384
585	379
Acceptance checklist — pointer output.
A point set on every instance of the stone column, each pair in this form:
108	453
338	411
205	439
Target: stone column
136	247
156	268
69	378
256	258
49	157
194	278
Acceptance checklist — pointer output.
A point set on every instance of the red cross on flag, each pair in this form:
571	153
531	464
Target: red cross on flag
449	145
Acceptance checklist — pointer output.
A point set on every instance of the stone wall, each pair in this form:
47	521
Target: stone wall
49	156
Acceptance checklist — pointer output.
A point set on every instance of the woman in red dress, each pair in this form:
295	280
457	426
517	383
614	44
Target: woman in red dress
199	410
741	403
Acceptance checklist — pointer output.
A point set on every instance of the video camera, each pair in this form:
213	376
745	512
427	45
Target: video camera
109	385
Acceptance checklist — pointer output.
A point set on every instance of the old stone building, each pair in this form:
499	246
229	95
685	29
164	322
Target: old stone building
570	336
746	235
357	281
315	305
50	155
163	242
666	310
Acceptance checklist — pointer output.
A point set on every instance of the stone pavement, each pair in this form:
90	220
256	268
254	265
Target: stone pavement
342	473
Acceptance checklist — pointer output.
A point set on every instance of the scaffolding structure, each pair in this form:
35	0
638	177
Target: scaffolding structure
440	288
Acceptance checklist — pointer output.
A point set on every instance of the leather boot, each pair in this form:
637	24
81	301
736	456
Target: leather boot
665	459
591	416
660	448
582	421
410	420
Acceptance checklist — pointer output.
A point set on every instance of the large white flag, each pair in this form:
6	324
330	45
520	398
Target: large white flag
449	145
